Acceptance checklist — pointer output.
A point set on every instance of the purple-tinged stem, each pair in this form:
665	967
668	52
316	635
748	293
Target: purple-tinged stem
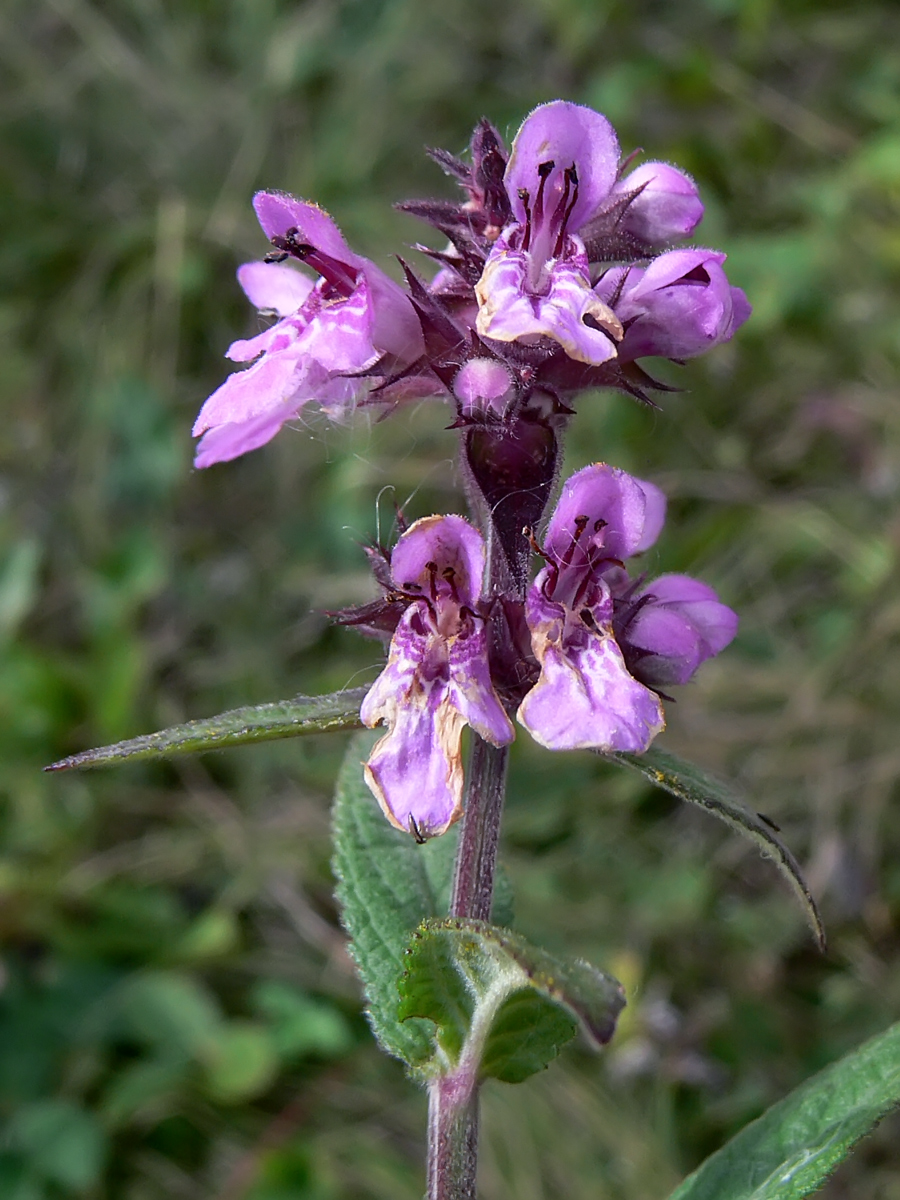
476	855
452	1139
453	1098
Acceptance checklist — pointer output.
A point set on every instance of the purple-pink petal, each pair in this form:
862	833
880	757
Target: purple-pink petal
632	509
473	689
568	135
668	206
586	699
678	307
447	541
566	309
679	623
415	771
229	441
258	391
278	212
275	286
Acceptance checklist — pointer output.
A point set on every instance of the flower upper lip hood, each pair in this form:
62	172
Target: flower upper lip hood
395	328
664	206
562	167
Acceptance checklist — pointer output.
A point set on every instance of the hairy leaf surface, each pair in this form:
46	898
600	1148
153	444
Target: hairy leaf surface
238	727
502	1008
793	1147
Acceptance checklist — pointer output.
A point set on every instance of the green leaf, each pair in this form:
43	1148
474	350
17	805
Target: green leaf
240	1062
170	1012
62	1141
502	1007
240	726
687	782
387	885
794	1146
145	1089
299	1024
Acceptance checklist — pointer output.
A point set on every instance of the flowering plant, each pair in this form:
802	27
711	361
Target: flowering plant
561	273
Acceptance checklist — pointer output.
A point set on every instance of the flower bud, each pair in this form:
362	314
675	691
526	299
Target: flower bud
667	208
484	388
680	306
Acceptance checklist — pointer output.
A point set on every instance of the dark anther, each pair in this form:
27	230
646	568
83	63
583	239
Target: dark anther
432	568
536	546
526	202
600	524
544	171
416	831
339	275
565	206
580	526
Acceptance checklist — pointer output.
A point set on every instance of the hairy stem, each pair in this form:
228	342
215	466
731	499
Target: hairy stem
476	856
453	1098
452	1140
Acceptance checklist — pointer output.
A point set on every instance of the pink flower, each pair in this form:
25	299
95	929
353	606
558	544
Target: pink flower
436	681
329	332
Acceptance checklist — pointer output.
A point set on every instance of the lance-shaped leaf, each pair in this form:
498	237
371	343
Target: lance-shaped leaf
387	885
240	726
501	1007
688	782
793	1147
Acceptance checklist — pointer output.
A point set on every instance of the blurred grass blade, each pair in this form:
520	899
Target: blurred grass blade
240	726
499	1002
688	782
794	1146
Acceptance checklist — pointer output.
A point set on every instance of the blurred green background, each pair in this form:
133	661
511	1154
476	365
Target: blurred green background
178	1014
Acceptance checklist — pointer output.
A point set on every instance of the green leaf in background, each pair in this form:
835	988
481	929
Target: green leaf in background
300	1025
240	726
240	1062
387	885
687	782
794	1146
499	1002
62	1142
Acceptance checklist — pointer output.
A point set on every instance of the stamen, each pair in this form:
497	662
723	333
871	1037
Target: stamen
544	172
535	545
449	575
416	831
526	203
339	275
432	568
565	206
580	526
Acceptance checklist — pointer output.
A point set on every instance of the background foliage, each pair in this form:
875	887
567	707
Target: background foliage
178	1015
